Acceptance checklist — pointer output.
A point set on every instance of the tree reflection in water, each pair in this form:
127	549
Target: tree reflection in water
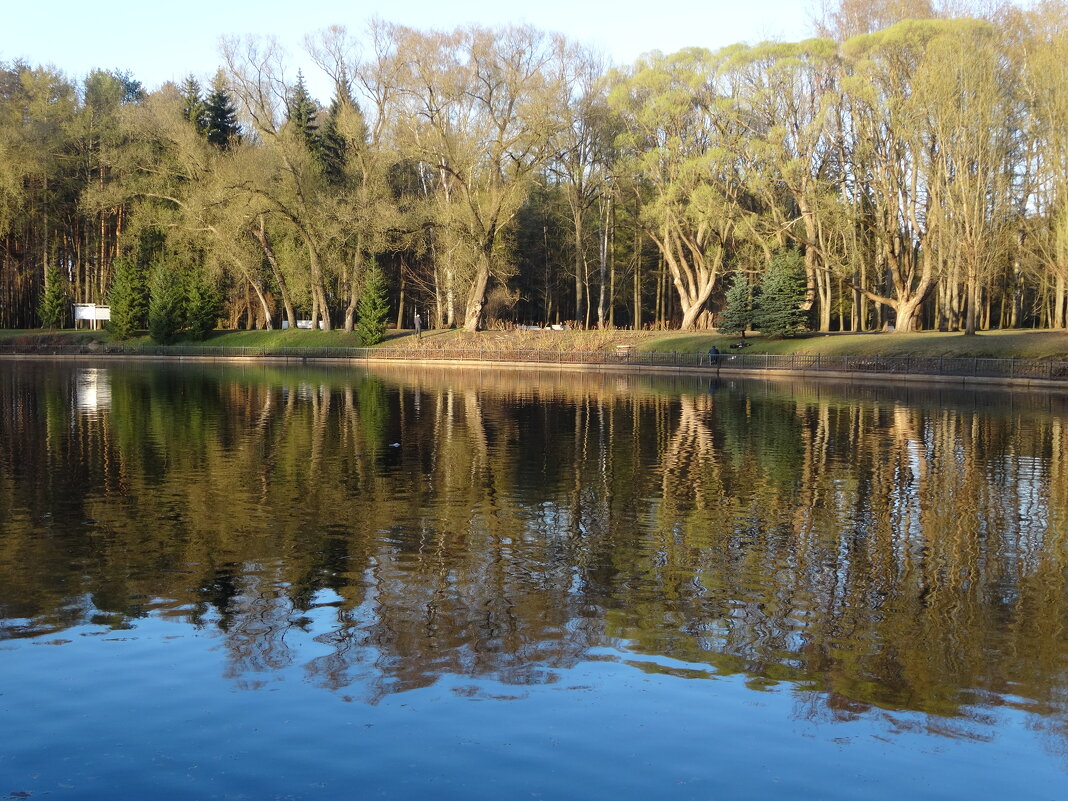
886	548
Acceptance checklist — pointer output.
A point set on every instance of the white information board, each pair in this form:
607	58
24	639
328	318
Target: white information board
91	312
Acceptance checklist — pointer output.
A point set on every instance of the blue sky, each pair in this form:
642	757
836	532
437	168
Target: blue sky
167	41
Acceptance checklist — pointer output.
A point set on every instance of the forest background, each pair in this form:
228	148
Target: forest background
911	161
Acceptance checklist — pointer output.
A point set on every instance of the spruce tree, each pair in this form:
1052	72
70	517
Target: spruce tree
777	308
194	108
54	300
221	116
202	305
737	315
302	113
372	308
128	298
166	308
337	137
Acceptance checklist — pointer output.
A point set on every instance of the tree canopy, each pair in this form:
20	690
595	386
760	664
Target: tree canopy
914	161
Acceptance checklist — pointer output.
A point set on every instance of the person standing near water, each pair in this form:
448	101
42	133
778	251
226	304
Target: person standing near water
418	325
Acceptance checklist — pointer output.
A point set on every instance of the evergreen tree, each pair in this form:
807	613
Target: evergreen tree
373	308
333	143
54	300
194	108
166	308
203	304
302	113
737	315
128	298
220	115
777	308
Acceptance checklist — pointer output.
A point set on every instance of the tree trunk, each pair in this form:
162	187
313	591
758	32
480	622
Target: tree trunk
265	307
580	265
1059	292
260	236
354	286
612	271
691	309
972	300
636	316
450	297
318	292
400	303
823	293
476	295
602	265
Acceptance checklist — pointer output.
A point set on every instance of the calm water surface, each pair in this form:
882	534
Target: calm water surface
224	583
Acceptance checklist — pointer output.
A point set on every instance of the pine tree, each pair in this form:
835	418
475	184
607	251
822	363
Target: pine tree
737	315
777	308
54	300
373	308
221	116
202	305
194	108
166	308
128	298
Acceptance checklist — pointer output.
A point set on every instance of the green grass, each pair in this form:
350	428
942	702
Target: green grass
987	344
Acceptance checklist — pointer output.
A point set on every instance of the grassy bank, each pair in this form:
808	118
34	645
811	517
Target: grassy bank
987	344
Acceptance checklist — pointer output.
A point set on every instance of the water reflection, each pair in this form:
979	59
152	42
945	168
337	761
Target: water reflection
904	550
93	389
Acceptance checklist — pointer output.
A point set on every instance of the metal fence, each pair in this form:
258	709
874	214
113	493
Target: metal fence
1012	368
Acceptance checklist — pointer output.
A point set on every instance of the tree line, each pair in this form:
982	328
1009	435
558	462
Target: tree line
910	165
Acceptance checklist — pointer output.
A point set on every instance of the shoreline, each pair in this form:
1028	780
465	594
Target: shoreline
605	366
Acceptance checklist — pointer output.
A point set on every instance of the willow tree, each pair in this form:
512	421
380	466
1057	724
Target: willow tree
286	180
476	111
1045	52
781	96
356	154
178	182
583	161
671	107
963	86
890	128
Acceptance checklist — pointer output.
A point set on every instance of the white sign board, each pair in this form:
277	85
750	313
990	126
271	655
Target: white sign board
91	312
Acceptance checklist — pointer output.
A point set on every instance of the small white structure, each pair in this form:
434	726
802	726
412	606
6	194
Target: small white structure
91	312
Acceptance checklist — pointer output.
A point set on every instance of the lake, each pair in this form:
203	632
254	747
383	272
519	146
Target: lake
245	581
